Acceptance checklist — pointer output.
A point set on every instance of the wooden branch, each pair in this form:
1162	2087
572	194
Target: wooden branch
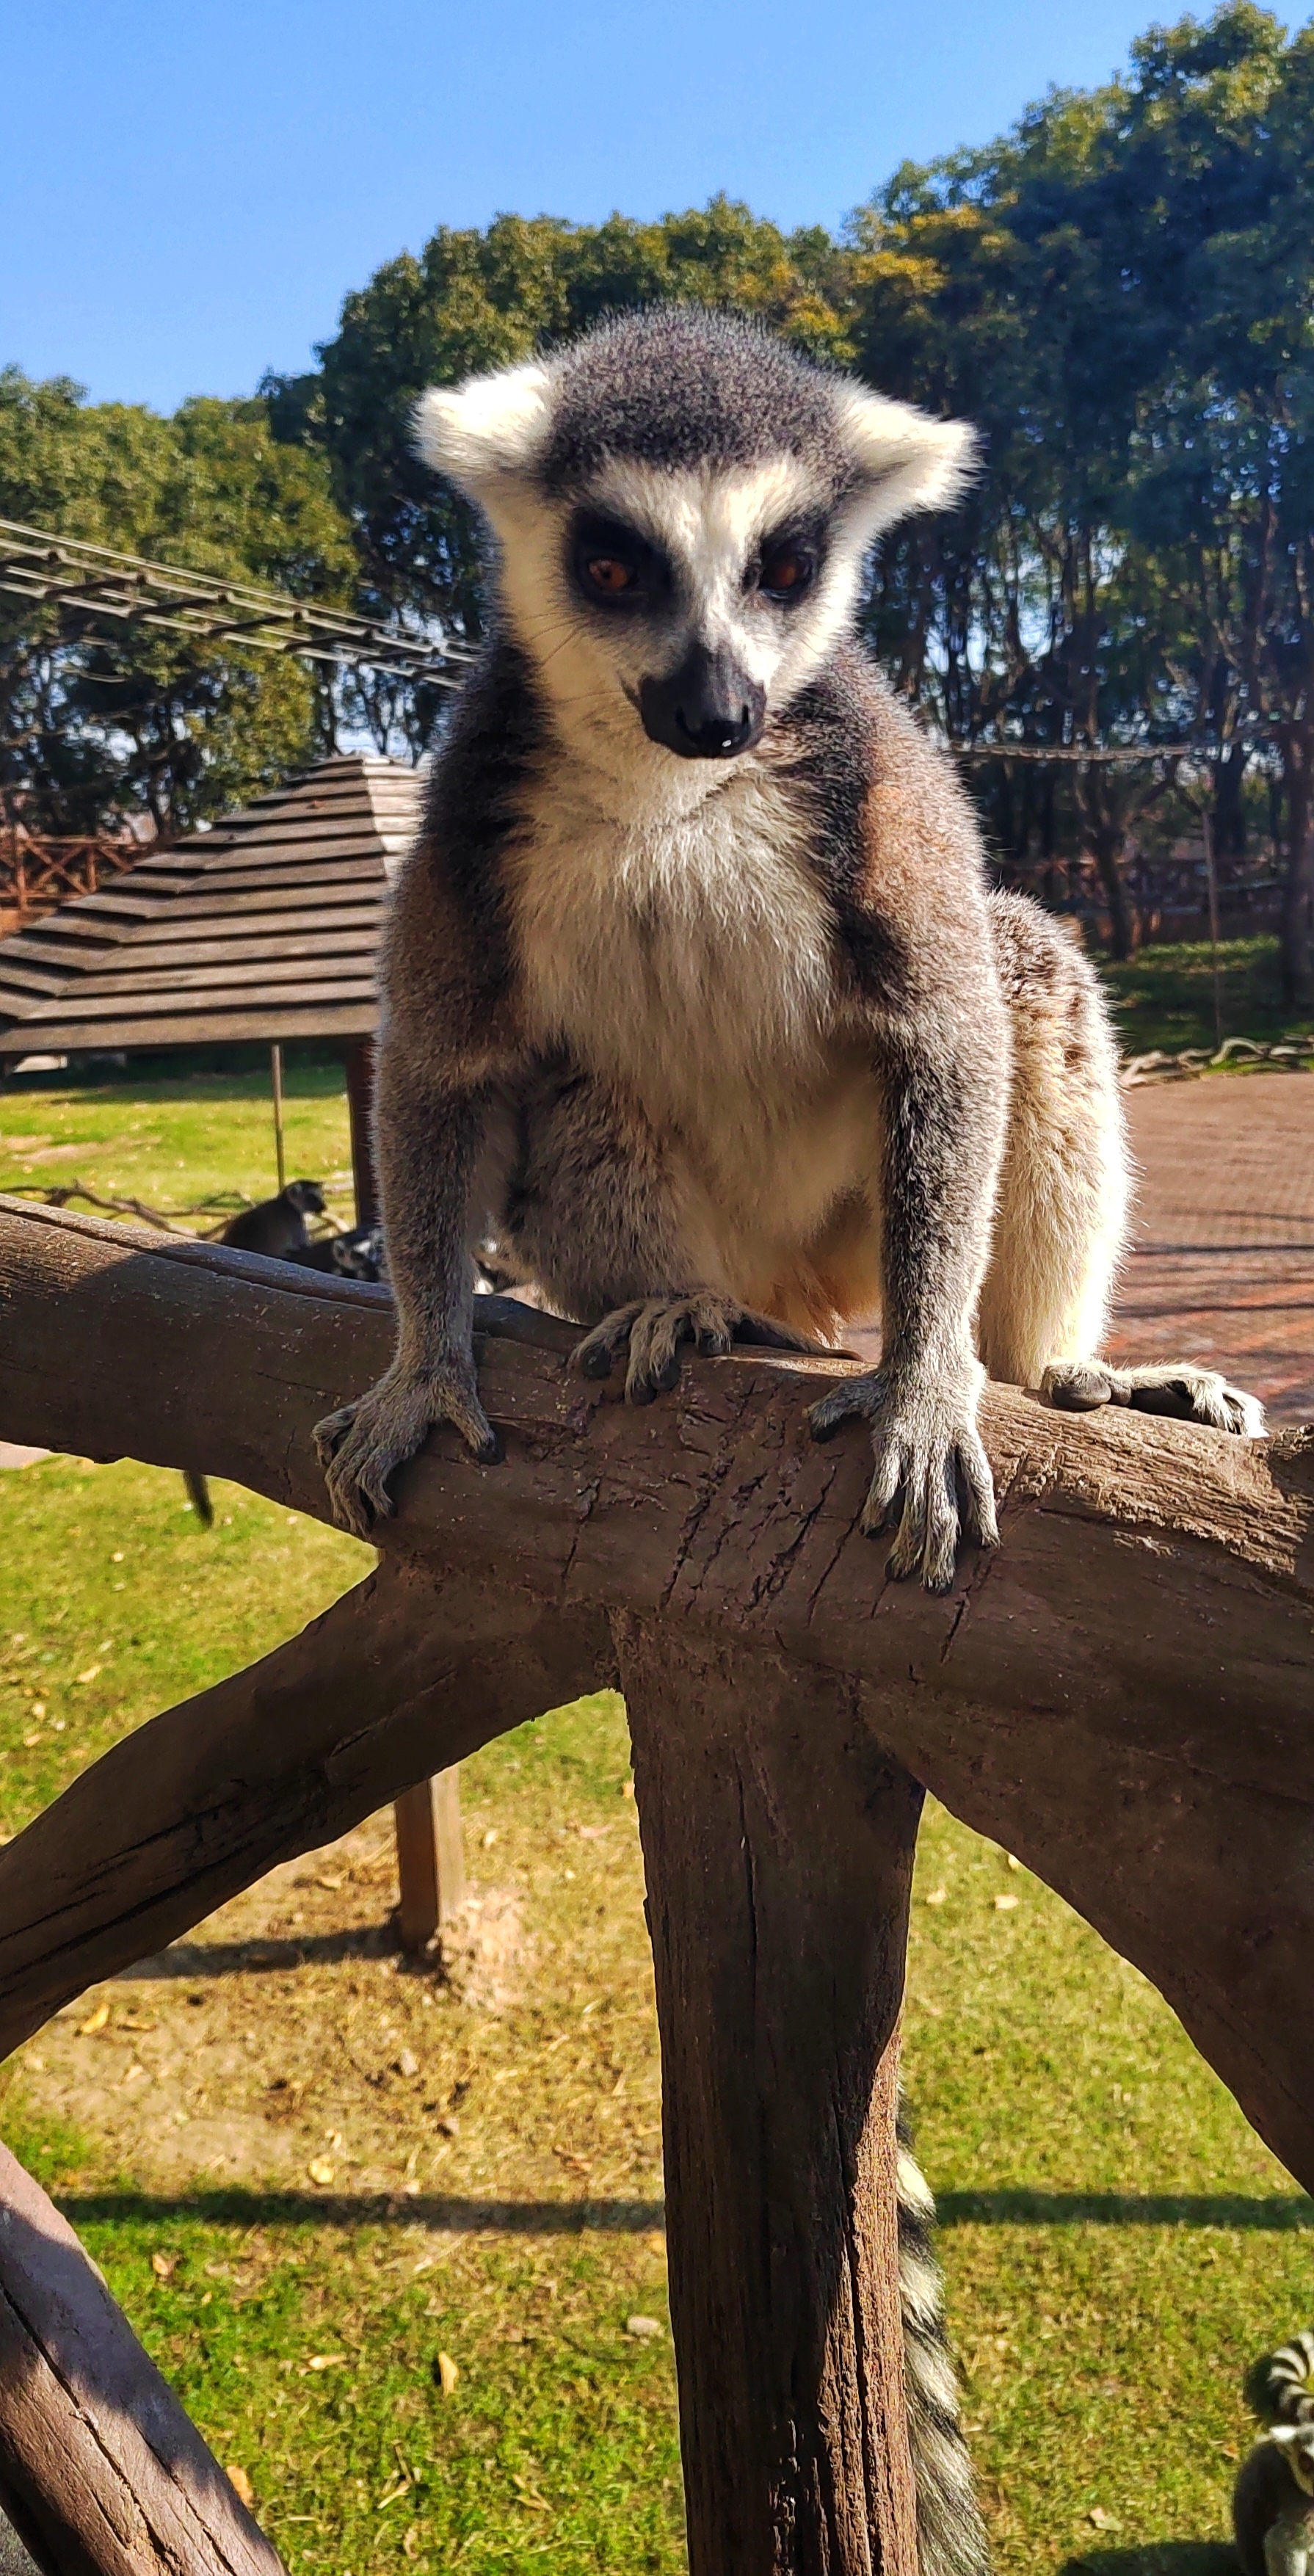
101	2471
1122	1693
399	1678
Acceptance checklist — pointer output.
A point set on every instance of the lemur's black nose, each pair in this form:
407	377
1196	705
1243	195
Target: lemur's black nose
708	709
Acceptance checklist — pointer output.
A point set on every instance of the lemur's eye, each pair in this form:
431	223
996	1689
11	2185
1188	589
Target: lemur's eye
610	575
786	572
613	565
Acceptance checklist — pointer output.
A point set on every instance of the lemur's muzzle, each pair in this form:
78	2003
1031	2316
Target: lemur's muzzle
708	709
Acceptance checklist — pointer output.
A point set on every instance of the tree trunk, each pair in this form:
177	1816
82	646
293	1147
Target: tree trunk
1297	944
1107	835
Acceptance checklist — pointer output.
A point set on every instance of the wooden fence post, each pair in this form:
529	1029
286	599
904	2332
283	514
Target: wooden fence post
427	1818
778	1841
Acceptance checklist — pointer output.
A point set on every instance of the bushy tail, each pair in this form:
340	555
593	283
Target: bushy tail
951	2538
1279	2387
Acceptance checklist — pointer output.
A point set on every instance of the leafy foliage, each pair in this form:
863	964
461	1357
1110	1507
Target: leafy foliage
90	730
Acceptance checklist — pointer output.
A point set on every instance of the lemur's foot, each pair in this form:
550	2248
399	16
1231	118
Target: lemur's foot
654	1330
928	1452
359	1446
1180	1390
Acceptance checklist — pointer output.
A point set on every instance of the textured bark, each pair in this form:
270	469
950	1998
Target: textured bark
1124	1693
100	2469
778	1840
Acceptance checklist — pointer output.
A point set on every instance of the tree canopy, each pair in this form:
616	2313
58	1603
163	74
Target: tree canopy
1119	291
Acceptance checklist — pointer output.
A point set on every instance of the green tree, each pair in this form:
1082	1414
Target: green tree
91	730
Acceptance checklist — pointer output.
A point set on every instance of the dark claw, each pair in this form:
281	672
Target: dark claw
596	1363
490	1452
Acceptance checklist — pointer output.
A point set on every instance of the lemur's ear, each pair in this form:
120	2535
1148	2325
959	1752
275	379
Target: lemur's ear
907	460
488	427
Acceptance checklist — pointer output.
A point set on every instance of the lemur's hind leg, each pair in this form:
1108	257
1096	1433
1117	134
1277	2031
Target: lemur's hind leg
592	1210
1064	1195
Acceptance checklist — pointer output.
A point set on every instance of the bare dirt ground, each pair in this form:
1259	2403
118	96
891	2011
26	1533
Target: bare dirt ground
286	2044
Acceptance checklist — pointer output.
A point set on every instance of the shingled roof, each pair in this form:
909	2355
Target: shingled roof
265	927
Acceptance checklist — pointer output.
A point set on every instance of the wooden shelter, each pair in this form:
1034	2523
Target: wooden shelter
265	928
1122	1693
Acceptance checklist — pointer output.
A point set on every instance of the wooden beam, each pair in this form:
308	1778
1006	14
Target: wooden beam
778	1843
101	2471
1139	1653
401	1677
427	1872
1122	1693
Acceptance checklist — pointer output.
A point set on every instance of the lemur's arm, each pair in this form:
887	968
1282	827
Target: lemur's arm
442	1044
944	1116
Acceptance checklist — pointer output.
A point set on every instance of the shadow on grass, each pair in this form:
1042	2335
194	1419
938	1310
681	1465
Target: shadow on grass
248	2208
1159	2558
1123	2209
335	2209
188	1961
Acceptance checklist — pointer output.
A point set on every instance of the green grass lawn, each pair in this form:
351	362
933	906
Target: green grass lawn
1165	996
1117	2243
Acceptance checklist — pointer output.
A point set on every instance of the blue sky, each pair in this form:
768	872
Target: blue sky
187	191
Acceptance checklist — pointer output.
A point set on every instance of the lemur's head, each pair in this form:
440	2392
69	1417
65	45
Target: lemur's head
682	509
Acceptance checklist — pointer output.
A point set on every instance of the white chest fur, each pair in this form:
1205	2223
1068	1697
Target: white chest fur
687	958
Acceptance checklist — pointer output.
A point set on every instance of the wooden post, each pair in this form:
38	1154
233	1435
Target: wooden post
778	1846
101	2472
427	1818
276	1078
430	1859
360	1107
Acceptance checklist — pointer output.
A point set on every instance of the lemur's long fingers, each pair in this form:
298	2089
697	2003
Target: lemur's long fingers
978	1484
927	1539
329	1434
886	1484
655	1339
594	1355
713	1326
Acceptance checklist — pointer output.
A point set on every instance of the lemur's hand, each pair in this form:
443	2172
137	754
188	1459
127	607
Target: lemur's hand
927	1449
359	1447
654	1330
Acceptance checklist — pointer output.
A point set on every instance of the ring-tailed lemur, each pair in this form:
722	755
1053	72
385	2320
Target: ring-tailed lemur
1273	2499
695	998
693	991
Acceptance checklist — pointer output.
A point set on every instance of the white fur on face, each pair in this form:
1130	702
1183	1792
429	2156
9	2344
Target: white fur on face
490	434
709	525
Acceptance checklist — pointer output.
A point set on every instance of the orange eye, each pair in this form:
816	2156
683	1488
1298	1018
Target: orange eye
608	573
785	574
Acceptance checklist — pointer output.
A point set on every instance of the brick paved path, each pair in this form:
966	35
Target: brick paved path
1222	1266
